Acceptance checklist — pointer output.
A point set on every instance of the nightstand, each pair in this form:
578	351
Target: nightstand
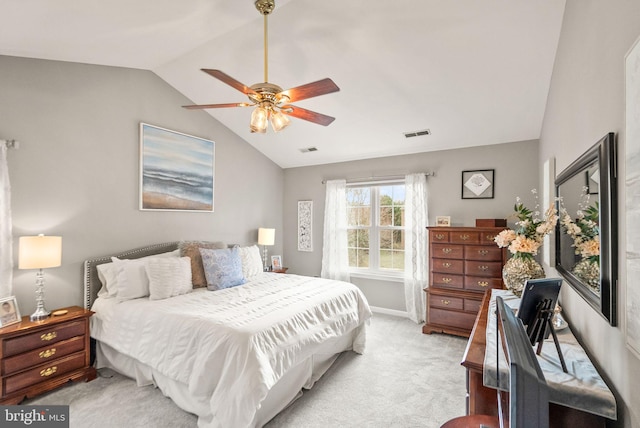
36	357
281	270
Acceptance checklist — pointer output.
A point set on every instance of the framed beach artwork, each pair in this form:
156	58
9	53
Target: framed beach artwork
305	225
632	192
176	170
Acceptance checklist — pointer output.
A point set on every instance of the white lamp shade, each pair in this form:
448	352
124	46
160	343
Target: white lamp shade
266	236
39	252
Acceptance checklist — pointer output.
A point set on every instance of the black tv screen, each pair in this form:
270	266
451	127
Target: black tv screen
527	402
537	295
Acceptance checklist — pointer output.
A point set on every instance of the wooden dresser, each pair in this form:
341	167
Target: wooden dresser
464	262
36	357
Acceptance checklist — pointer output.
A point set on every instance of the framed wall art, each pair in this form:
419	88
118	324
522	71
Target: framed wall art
478	184
305	225
176	170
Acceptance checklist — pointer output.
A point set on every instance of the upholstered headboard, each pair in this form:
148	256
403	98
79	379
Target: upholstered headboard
92	283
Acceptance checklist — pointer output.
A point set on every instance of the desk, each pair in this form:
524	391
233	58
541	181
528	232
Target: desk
482	400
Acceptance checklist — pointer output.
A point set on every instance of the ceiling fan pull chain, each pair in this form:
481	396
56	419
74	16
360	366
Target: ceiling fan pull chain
266	50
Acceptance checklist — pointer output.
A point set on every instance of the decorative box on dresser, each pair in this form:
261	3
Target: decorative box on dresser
463	263
36	357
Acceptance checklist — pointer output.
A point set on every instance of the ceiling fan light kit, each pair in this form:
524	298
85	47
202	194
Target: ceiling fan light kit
271	101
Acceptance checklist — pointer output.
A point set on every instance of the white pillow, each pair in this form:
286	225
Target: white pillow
251	261
107	274
131	275
169	277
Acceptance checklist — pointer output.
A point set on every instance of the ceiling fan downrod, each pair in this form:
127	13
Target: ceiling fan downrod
265	7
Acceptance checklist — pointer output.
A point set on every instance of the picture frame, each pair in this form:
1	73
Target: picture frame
276	262
305	226
443	221
176	171
478	184
9	311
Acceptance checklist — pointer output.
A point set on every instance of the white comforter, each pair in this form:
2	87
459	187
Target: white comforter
233	345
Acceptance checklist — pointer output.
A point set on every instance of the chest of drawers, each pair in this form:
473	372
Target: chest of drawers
463	263
36	357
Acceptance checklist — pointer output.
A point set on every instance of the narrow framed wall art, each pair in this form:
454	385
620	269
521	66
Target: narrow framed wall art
305	226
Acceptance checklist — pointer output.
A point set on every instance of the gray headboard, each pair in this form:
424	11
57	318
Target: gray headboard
92	283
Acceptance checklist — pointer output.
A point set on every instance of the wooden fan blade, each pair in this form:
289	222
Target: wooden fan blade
304	114
225	78
315	89
202	106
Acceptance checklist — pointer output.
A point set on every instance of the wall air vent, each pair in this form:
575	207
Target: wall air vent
309	149
417	133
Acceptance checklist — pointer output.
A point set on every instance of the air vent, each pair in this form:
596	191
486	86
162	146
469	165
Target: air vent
309	149
417	133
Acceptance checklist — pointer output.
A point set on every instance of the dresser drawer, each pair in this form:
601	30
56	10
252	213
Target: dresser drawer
446	302
439	236
472	305
462	320
43	372
483	253
488	237
42	338
447	280
447	251
479	283
450	266
41	355
484	269
464	237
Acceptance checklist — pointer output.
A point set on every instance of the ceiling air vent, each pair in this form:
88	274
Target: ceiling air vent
417	133
309	149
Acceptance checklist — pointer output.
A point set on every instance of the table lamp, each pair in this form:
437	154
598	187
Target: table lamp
266	237
39	252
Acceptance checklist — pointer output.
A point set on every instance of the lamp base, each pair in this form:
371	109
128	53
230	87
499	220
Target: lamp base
40	314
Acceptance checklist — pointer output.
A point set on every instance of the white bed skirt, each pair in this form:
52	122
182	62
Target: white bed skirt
281	395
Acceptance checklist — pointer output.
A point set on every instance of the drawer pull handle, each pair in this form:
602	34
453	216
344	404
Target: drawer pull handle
48	353
446	280
464	237
445	302
483	283
48	371
483	252
446	265
447	250
483	268
490	237
440	236
49	336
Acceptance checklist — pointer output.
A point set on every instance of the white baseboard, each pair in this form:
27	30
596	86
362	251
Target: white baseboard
394	312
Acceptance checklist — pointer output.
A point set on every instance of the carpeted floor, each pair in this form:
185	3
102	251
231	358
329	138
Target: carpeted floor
405	379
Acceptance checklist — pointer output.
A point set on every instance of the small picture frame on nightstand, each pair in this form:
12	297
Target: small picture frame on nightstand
9	311
276	262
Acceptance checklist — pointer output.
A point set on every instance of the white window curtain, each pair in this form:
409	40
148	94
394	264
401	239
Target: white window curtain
335	256
6	243
416	246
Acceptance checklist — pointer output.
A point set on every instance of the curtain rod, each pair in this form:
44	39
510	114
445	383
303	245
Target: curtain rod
363	180
11	144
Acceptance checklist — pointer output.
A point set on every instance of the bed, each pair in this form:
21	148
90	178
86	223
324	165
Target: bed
235	356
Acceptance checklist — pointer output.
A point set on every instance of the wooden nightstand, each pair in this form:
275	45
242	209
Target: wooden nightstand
281	270
36	357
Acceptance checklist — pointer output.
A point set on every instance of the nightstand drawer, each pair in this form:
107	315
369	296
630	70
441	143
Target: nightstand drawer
41	355
43	373
42	338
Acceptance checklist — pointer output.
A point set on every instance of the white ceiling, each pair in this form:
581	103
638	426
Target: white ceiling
473	72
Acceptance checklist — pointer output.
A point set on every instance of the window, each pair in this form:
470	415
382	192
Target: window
376	228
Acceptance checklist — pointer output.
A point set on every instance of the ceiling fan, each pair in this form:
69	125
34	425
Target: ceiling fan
273	103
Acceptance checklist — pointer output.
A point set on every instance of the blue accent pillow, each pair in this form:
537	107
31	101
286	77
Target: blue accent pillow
222	268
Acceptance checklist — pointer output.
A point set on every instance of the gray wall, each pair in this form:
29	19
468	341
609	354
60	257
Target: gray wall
76	171
586	100
516	174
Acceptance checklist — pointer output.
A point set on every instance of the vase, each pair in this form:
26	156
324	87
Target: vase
517	270
588	271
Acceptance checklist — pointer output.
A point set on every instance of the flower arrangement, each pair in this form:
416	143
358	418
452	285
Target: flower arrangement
526	238
585	229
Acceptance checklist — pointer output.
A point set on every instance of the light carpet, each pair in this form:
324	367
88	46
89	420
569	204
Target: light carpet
405	379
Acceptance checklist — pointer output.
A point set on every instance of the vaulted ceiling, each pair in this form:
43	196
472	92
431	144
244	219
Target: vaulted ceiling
472	72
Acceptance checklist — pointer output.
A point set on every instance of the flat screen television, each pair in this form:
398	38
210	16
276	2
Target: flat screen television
538	295
526	404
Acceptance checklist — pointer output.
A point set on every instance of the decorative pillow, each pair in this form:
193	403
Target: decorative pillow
107	274
251	261
168	277
192	249
223	268
132	278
